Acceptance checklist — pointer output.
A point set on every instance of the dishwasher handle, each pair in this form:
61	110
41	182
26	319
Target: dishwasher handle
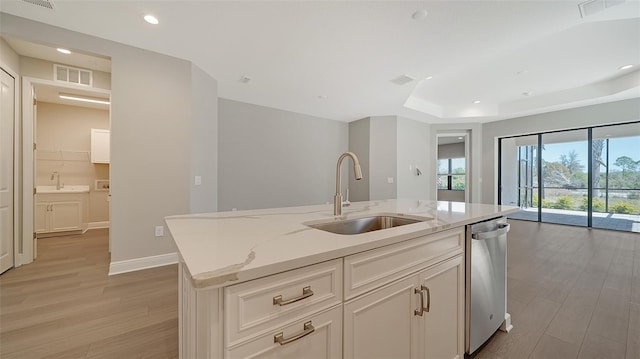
503	228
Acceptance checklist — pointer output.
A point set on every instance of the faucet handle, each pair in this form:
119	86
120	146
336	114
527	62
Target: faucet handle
346	202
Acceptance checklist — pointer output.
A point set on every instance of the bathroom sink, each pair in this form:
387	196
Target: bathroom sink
366	224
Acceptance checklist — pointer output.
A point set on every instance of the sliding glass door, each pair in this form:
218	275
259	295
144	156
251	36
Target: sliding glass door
587	177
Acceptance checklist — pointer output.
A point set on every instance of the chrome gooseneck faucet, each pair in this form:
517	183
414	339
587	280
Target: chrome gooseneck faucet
337	198
56	175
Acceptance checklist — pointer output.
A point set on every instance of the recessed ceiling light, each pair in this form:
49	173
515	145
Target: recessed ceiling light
84	99
322	97
476	101
63	51
459	138
625	67
151	19
419	15
428	77
528	93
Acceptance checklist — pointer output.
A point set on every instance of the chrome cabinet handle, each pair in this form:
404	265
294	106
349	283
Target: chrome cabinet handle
421	291
306	293
425	288
419	311
280	339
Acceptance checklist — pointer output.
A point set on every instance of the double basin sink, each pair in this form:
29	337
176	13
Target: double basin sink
366	224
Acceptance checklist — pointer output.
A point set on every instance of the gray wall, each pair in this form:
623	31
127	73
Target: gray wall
9	57
275	158
613	112
359	144
204	147
413	152
383	157
151	135
43	69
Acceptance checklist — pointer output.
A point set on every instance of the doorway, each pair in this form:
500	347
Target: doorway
452	168
8	121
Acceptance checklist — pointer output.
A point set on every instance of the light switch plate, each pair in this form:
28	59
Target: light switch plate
389	179
198	180
159	231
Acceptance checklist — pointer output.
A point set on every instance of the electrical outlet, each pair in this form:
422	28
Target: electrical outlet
159	231
389	179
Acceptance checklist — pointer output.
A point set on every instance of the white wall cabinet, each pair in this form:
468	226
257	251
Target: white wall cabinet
55	213
100	140
400	301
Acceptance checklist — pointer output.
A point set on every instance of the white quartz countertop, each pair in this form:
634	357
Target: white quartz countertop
224	248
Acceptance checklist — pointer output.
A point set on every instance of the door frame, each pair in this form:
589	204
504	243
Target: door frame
28	161
17	183
467	159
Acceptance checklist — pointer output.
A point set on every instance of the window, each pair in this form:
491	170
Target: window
451	174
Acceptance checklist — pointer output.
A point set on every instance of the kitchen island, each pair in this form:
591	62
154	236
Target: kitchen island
266	283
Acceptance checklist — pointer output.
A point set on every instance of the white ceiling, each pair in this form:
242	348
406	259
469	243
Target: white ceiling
338	59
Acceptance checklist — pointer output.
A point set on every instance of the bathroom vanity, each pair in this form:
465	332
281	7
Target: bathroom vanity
283	283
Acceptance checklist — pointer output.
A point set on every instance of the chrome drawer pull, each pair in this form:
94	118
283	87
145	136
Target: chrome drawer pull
306	293
308	329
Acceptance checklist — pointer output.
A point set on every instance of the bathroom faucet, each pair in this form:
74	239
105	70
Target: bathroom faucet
337	198
57	176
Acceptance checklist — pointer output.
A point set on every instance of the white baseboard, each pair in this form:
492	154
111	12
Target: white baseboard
131	265
97	225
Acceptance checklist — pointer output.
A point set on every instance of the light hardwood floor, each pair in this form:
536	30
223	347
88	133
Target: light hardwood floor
573	293
64	305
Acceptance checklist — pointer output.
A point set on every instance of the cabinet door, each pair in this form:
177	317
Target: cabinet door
383	323
100	140
41	223
66	216
443	319
324	342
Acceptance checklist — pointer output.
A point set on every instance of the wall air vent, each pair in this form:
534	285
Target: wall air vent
47	4
72	75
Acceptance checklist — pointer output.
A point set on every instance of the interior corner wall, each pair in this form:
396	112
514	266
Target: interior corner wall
383	149
9	57
150	135
359	144
608	113
412	155
204	144
275	158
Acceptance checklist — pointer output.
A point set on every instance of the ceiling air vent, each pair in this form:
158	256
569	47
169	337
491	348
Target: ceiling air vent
72	75
401	80
591	7
47	4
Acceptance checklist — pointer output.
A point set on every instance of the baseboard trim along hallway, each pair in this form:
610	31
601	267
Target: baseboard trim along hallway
136	264
98	225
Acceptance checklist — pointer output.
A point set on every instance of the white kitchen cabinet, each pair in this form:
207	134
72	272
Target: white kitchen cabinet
420	316
318	336
56	213
365	305
382	324
100	140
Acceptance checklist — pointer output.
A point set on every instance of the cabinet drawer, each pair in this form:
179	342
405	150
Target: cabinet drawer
371	269
325	341
253	306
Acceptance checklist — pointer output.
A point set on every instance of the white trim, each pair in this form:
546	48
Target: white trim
29	249
98	225
136	264
17	174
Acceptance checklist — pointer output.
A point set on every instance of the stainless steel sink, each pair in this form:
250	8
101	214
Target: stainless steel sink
364	225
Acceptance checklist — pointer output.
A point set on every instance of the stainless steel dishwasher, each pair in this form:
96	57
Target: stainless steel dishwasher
486	260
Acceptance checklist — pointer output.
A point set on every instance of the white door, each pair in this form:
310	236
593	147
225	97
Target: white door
6	170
